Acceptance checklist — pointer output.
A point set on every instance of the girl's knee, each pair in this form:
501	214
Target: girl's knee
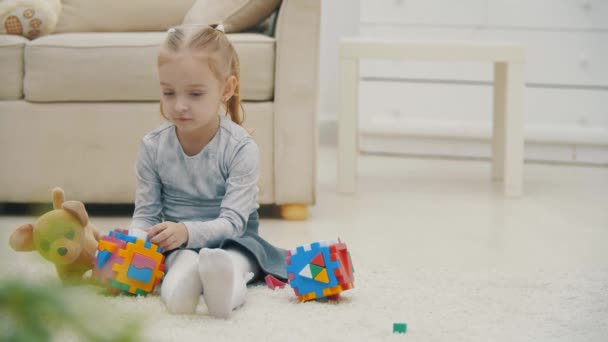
181	257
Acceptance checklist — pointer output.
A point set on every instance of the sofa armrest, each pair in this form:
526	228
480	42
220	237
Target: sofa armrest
296	95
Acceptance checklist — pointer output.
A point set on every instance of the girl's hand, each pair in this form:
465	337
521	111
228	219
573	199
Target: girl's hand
168	235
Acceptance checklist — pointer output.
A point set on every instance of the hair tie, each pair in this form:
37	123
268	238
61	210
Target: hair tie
220	28
171	30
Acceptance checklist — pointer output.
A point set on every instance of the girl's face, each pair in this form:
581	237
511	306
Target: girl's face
191	94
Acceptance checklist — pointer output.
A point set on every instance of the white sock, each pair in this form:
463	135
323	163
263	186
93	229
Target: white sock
181	288
224	275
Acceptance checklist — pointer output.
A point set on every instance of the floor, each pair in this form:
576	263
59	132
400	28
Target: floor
424	215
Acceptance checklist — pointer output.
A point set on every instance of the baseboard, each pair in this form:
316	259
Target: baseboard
550	144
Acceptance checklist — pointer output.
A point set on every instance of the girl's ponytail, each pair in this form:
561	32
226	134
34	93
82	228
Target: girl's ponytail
234	107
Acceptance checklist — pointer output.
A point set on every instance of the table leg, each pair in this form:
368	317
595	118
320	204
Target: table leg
498	122
348	125
514	125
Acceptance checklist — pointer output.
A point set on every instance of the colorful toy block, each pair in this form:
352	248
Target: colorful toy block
321	270
273	282
399	328
128	264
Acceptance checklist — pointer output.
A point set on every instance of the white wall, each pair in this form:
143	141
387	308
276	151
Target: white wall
566	100
339	18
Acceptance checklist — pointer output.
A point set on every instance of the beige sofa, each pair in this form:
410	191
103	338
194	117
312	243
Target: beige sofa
74	106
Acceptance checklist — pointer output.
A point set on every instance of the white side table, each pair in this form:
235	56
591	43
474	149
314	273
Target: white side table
507	137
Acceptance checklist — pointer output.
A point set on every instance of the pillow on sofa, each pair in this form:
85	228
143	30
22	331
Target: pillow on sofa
121	15
29	18
235	15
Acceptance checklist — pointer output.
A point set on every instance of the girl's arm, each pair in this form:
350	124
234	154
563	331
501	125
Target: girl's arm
148	188
238	203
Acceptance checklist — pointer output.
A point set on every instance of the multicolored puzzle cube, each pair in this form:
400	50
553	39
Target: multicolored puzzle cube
320	270
128	264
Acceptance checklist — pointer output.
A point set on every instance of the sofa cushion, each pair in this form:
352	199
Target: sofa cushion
11	68
121	15
122	67
235	15
59	134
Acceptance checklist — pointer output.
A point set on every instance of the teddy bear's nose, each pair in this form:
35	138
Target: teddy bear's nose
62	251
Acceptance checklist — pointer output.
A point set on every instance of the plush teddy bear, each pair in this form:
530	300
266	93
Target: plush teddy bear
29	18
64	236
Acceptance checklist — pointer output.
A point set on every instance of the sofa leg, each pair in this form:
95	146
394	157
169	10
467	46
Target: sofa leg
293	212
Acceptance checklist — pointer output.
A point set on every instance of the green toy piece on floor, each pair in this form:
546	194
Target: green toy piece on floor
399	328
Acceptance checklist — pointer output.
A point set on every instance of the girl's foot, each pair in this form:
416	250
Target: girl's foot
181	289
225	285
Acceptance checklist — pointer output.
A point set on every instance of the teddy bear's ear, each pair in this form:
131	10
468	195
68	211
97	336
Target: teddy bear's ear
77	208
22	239
58	198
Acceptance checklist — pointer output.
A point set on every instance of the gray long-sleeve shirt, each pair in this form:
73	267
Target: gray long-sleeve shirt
212	193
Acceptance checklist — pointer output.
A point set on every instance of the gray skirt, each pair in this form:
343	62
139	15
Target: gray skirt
271	259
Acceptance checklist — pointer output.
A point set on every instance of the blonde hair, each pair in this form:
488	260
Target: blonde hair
219	52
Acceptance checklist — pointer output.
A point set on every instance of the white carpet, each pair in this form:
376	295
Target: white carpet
434	245
437	305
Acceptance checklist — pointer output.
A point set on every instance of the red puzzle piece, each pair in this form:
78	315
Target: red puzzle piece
273	282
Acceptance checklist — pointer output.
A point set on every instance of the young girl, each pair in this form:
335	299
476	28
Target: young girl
196	191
